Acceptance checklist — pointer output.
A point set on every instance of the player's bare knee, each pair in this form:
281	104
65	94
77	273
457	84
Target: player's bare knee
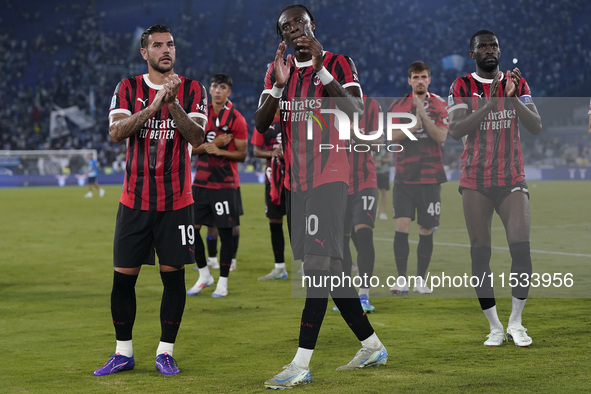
316	262
425	230
336	267
171	268
128	271
403	225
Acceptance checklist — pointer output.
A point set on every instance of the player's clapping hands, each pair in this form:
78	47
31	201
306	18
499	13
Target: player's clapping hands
167	94
309	44
513	78
282	65
171	86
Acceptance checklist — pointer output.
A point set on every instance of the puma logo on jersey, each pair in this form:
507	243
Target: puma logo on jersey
320	242
479	95
142	101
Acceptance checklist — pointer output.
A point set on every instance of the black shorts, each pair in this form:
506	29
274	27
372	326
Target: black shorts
424	199
239	201
498	194
91	179
383	180
361	209
138	233
274	211
216	207
317	220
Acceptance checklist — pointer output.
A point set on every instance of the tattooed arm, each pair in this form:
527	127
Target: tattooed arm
122	126
192	129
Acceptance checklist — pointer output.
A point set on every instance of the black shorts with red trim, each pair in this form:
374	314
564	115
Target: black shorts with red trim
219	207
362	207
424	199
317	220
498	194
138	234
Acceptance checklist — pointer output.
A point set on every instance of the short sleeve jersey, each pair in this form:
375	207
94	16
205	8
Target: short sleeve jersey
216	172
158	160
420	161
492	153
308	166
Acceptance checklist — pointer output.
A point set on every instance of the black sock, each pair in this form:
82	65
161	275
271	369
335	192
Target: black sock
366	254
123	305
401	251
199	250
212	246
347	300
226	250
173	304
424	251
347	258
277	242
481	269
314	310
236	237
521	265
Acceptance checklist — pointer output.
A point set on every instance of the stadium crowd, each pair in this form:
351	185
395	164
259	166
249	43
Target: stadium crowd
70	53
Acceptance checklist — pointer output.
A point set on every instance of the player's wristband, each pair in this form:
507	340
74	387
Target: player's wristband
277	92
325	76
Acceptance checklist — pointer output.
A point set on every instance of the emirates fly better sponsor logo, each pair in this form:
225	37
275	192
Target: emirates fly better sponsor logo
156	129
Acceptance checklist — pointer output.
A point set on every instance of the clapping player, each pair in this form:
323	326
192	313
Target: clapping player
317	183
160	115
485	109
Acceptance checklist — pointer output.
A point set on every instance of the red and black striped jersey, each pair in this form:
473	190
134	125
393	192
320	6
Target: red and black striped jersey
492	153
216	172
362	173
307	165
268	140
420	162
158	162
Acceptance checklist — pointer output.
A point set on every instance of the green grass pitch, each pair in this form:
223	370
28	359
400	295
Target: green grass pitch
55	323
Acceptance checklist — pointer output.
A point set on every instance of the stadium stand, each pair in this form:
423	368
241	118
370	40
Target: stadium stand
66	53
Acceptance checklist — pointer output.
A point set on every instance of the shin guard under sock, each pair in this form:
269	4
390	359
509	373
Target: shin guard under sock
123	305
401	251
226	250
366	254
521	265
314	310
481	269
277	242
173	304
199	251
424	251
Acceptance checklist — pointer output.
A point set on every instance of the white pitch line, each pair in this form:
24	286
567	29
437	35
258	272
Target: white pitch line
553	227
496	248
